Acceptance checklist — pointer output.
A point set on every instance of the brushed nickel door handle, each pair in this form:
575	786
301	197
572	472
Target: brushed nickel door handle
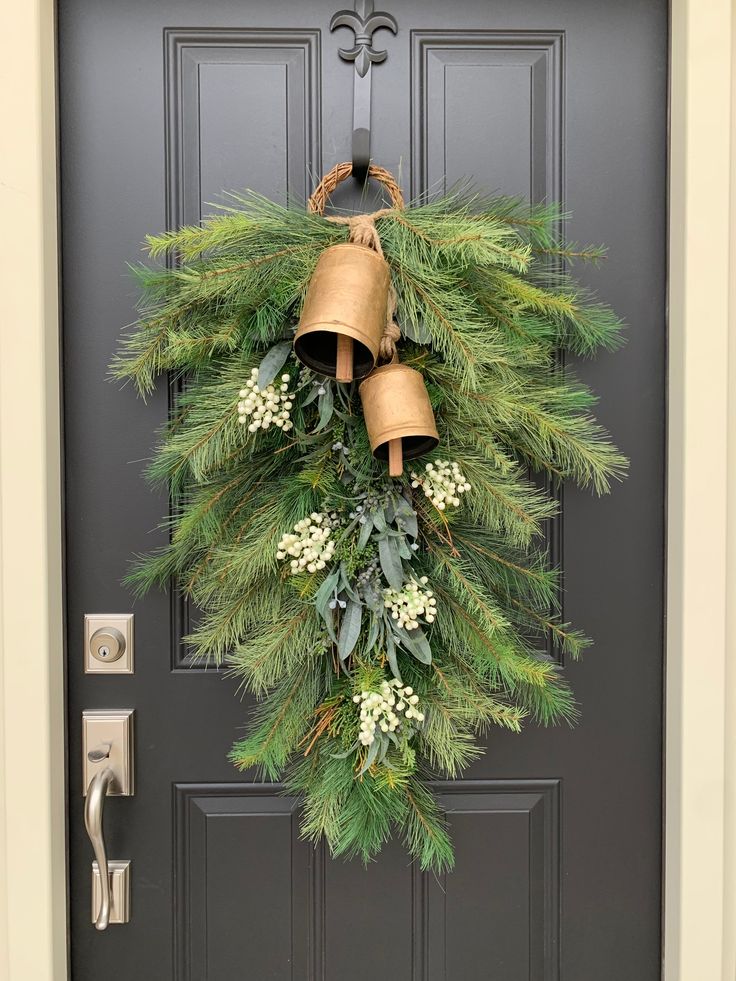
93	811
107	764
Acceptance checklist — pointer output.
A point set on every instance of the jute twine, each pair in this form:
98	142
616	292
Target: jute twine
362	231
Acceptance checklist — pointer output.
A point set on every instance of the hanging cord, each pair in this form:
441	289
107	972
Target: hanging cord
362	231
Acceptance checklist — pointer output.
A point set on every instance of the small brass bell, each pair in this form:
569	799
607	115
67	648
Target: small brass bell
398	415
344	312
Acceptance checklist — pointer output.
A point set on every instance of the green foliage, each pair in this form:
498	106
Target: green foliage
485	306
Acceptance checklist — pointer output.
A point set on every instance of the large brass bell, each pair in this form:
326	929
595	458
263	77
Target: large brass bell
398	415
344	312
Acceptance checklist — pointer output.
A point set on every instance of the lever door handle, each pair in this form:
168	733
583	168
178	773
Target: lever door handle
107	758
93	809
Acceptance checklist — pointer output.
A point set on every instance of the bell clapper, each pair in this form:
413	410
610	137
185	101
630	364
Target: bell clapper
344	367
395	459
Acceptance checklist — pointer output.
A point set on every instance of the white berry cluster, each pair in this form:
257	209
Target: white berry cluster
265	407
311	543
442	483
386	709
411	602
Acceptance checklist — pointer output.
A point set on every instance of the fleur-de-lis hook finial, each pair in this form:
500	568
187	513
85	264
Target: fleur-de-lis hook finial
363	21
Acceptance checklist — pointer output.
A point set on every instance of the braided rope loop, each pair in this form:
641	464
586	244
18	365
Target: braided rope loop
363	231
340	172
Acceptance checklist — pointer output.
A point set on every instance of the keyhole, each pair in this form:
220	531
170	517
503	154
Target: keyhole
104	651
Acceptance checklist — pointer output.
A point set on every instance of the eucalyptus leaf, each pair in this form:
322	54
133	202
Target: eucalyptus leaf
416	643
326	404
313	395
327	587
349	467
273	362
365	531
304	437
373	598
329	619
344	755
391	656
349	629
406	518
379	520
322	600
346	585
371	757
404	505
388	555
411	525
404	551
373	632
384	744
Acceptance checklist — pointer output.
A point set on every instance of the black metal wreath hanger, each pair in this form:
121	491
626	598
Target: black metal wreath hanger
363	20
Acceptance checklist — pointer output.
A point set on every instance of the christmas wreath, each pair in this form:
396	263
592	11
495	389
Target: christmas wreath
384	615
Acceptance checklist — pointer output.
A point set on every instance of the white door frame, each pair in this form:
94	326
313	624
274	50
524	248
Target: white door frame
700	865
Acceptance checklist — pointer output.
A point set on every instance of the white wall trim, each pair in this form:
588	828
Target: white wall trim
729	816
32	821
700	877
700	702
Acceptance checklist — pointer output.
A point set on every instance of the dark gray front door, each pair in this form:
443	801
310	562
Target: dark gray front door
557	831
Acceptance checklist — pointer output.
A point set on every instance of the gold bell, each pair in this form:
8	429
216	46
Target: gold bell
398	415
344	312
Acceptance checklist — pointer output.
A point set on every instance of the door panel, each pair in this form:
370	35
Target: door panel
488	102
557	832
239	856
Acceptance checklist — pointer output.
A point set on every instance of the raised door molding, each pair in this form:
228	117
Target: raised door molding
242	110
249	890
499	95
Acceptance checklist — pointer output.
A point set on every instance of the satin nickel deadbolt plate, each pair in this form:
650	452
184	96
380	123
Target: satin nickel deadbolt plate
108	643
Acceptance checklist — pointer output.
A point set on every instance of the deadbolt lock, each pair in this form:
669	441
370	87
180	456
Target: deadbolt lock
108	643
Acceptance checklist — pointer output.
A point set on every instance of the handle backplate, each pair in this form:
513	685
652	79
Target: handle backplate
119	881
111	728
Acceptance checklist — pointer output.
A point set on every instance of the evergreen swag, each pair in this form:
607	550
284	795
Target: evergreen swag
382	624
